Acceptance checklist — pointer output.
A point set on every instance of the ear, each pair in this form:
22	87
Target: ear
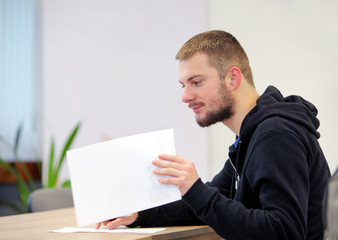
236	77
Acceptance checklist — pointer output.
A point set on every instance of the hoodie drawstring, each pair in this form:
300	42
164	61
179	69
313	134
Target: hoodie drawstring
236	176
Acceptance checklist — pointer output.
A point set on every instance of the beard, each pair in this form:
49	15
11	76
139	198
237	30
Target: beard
223	112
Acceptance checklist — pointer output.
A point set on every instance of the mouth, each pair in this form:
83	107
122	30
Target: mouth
196	107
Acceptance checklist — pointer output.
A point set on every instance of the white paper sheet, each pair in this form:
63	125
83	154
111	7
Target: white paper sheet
114	178
93	230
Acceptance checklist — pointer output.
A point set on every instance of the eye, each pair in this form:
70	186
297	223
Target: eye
197	83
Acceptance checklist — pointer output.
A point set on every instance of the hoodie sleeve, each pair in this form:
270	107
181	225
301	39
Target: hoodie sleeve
224	181
179	213
173	214
278	173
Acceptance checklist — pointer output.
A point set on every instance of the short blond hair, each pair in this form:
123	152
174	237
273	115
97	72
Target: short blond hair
222	49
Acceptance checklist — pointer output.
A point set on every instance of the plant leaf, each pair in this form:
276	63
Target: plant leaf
21	185
11	169
16	156
23	193
67	147
51	165
27	174
17	140
5	143
66	183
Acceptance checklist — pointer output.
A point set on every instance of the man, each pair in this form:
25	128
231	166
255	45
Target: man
272	185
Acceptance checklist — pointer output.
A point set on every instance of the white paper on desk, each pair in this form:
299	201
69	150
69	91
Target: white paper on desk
114	178
118	230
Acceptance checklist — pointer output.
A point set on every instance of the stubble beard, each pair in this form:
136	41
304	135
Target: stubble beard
223	112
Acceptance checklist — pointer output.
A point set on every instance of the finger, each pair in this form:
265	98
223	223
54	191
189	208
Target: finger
167	164
106	222
167	172
169	180
173	158
167	157
116	223
122	221
181	165
97	225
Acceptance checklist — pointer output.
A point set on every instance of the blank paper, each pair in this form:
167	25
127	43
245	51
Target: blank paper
114	178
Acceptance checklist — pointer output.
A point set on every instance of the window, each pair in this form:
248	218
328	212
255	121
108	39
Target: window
19	78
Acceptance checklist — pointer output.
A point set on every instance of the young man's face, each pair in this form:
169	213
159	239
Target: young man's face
204	91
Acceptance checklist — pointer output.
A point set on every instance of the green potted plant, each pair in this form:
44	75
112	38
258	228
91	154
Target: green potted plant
24	182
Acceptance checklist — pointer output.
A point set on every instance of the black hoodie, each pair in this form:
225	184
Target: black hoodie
272	185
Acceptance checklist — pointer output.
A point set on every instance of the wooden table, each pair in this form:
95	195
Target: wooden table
37	225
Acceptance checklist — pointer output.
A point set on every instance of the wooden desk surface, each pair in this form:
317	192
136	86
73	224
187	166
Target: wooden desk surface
37	225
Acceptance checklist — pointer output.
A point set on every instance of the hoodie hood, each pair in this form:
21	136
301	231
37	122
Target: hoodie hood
272	104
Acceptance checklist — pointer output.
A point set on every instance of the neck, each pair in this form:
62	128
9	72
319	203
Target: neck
245	98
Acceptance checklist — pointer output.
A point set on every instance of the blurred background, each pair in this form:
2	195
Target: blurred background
110	66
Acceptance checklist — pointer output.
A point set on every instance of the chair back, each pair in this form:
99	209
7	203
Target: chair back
332	208
50	198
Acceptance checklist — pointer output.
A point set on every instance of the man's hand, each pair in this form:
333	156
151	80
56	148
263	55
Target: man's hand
180	171
112	224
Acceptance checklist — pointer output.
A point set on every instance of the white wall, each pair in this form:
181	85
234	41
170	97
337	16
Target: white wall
291	45
111	64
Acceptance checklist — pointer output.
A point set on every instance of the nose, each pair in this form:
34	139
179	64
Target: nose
187	95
